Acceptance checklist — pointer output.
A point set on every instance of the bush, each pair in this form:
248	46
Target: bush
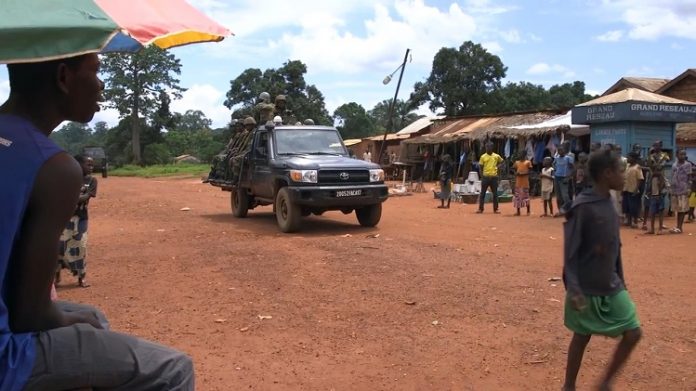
156	154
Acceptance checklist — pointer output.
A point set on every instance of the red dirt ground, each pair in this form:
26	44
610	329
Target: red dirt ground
485	317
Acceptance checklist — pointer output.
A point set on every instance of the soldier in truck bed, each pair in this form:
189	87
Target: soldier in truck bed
241	148
222	163
282	110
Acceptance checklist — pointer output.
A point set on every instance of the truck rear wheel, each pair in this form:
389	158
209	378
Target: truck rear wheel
369	216
288	214
239	200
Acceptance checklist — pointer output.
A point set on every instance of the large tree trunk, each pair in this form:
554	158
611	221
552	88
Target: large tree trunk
135	132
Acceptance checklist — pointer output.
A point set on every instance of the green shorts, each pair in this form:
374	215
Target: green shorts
610	316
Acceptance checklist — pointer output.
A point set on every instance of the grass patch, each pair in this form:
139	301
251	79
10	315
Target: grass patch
161	170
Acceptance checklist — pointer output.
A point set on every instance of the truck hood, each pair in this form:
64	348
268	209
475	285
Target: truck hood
318	162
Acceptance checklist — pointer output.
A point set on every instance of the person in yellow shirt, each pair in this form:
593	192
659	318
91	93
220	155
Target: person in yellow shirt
489	163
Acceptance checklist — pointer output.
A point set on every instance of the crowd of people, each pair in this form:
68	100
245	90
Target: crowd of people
654	186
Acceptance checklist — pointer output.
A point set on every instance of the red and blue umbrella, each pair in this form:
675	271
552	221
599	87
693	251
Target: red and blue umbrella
42	30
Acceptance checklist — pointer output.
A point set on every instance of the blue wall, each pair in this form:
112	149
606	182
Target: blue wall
627	134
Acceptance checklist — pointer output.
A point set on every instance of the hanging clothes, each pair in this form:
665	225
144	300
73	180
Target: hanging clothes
506	149
529	148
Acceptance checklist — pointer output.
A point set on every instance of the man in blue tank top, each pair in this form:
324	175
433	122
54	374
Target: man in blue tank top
47	345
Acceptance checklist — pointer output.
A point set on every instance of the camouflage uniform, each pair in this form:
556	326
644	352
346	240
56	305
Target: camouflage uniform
282	111
236	155
265	108
228	162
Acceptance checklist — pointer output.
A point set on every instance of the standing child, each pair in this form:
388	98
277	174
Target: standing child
680	189
547	186
656	190
631	191
522	169
597	302
446	172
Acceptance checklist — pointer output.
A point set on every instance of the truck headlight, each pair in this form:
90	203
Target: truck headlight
377	175
307	176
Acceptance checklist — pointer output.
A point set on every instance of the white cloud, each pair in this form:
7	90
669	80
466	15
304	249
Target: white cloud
493	47
650	20
110	116
676	46
511	36
487	8
610	36
325	45
535	37
543	68
206	98
324	34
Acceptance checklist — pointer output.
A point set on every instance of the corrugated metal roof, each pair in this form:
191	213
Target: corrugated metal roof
391	136
419	125
352	141
634	94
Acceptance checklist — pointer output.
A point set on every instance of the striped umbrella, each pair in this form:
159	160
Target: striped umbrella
42	30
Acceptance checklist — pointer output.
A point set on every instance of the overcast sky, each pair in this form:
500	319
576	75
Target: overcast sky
349	46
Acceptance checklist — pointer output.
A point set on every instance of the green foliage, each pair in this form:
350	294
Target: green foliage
72	137
305	101
403	115
137	85
191	121
461	80
202	144
354	122
156	154
161	170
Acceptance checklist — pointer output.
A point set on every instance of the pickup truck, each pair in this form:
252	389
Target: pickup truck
303	170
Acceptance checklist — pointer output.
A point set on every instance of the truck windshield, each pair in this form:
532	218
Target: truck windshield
308	142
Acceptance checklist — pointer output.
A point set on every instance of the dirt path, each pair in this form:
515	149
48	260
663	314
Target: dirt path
441	299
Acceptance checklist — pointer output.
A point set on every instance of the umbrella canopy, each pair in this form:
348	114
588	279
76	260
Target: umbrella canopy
42	30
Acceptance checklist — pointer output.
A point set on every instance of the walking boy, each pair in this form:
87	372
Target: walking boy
547	186
597	302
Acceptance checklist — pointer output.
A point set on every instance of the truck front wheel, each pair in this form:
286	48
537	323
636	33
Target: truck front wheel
288	214
369	216
239	200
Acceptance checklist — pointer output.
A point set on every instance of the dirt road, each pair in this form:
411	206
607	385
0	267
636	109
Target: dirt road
440	300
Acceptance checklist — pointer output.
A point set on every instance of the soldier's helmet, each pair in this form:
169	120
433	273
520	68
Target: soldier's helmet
309	121
280	98
265	96
249	121
277	120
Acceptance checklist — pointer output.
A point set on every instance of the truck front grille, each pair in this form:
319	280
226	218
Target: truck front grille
339	177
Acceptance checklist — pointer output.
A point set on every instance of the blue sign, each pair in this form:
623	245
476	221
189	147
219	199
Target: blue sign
634	111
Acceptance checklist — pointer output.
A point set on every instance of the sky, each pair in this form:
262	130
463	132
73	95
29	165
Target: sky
350	46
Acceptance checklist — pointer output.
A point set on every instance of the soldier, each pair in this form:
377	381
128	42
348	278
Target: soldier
282	110
265	108
218	165
240	148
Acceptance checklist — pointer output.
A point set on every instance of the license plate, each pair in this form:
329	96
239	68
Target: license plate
348	193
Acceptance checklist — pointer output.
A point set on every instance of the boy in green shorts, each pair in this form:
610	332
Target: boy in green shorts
597	302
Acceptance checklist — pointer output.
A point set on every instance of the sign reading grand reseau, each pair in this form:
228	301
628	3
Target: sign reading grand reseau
634	111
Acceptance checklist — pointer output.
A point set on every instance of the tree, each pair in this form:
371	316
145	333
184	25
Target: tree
354	122
305	101
72	137
568	95
461	80
403	115
135	83
191	121
516	97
